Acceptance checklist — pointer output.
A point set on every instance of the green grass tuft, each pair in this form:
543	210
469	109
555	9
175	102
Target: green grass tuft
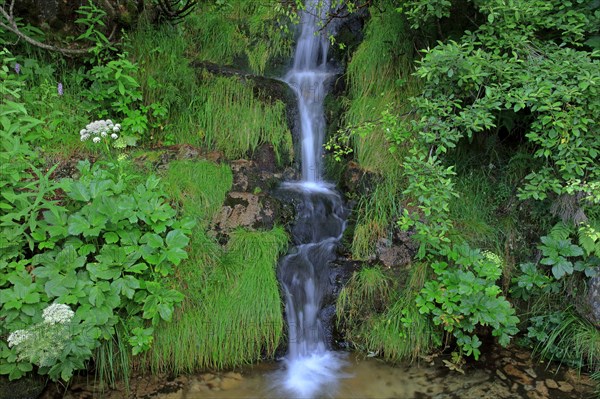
242	31
113	361
231	119
402	332
379	76
199	186
574	341
376	215
227	323
383	322
367	291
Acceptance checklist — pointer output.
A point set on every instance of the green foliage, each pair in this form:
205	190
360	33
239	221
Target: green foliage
92	20
104	250
379	78
14	118
253	30
215	327
368	291
473	211
200	187
115	91
379	322
430	184
565	259
498	68
565	337
219	329
375	216
463	295
533	282
166	78
233	120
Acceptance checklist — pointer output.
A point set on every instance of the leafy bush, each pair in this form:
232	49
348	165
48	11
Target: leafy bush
114	91
463	295
104	249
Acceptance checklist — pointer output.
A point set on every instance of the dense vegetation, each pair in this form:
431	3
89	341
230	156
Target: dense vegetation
473	124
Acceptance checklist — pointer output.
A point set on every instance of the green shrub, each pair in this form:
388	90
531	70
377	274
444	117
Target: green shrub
463	295
104	250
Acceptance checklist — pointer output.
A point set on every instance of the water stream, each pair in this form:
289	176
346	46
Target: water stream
310	367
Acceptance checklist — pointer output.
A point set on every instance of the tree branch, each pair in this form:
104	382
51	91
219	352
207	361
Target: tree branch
11	26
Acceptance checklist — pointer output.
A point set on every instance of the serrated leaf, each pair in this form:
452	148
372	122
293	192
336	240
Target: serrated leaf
78	225
78	191
165	311
561	268
153	240
176	239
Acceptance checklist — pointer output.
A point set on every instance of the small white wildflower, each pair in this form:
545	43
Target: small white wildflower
18	336
103	134
118	125
96	139
115	129
82	132
85	137
109	122
114	136
58	313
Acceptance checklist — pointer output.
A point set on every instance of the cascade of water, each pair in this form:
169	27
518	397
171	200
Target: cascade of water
311	368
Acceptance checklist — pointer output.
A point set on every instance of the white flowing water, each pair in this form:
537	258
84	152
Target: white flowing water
311	369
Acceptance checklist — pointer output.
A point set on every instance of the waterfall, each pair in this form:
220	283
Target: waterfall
311	368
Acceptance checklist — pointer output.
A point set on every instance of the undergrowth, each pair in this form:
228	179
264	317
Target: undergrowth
222	322
240	31
380	80
199	186
382	321
234	121
217	328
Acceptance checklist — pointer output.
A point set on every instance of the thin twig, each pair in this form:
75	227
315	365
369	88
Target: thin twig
11	25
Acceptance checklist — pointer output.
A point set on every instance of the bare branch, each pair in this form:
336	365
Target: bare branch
11	26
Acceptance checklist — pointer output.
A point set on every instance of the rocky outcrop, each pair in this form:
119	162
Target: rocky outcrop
593	301
398	251
250	203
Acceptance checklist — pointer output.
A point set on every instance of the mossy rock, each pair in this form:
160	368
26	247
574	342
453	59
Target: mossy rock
23	388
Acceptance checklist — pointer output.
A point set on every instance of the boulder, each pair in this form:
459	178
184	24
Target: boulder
593	301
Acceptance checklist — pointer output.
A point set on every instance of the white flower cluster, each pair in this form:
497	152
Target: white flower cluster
18	336
58	313
100	129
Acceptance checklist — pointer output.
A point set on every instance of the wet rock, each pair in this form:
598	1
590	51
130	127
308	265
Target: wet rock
593	301
541	388
187	151
174	395
550	383
229	383
197	386
501	375
536	395
564	386
214	384
24	388
392	255
235	376
519	375
531	372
